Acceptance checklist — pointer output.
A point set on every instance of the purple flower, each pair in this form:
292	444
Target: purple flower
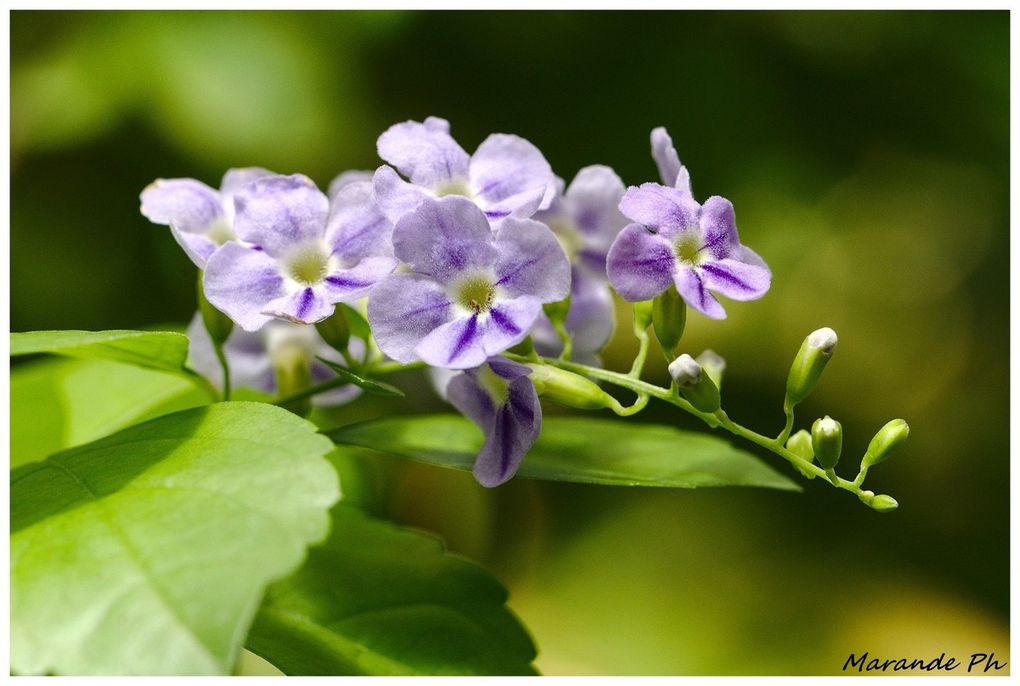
670	170
304	252
585	219
470	292
677	241
250	357
499	397
506	176
200	218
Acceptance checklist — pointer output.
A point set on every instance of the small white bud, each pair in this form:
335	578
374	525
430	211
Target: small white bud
686	371
825	339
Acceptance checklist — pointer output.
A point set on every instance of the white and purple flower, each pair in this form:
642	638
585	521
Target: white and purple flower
200	218
499	397
470	292
507	175
585	220
302	253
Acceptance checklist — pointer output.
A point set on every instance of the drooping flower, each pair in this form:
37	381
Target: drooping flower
677	241
499	397
672	172
506	176
200	218
585	219
250	357
303	253
470	292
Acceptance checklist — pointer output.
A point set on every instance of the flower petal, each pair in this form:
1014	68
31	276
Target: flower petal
454	345
736	280
665	209
719	227
594	196
344	178
395	196
592	315
510	172
695	293
356	227
640	264
404	309
187	204
508	323
672	172
424	152
348	285
235	178
240	281
277	212
443	238
531	261
304	306
515	428
196	245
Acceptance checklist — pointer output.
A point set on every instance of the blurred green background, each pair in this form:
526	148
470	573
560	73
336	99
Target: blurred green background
867	156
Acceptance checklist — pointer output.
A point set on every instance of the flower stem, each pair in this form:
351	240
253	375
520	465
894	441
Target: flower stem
225	366
784	435
639	359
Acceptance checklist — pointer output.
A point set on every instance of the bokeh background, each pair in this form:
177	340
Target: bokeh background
866	154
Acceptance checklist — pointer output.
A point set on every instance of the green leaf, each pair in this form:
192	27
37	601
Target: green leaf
164	350
360	328
147	552
369	385
55	403
376	599
579	449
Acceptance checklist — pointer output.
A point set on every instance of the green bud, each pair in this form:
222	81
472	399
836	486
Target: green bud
669	316
827	441
884	442
714	365
335	330
884	503
642	315
694	383
292	368
566	388
216	323
800	445
557	311
807	367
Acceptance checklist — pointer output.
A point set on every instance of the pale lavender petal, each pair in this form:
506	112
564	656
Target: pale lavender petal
344	178
640	264
424	152
508	323
592	315
744	254
277	212
672	172
443	238
404	309
241	281
594	196
235	178
736	280
718	227
440	379
454	345
463	391
665	209
357	227
348	285
196	245
524	204
395	196
695	293
186	204
304	306
510	172
531	261
247	358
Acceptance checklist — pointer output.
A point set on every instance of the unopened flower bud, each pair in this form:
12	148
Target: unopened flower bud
217	324
827	441
807	367
642	314
714	365
694	383
883	503
800	445
566	388
335	330
669	317
884	442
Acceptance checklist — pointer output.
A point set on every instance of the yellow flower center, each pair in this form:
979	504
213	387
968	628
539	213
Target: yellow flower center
476	294
308	264
687	247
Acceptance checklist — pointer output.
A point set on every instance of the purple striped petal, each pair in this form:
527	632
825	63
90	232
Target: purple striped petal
306	305
510	172
640	264
240	281
356	227
186	204
348	285
592	315
665	209
530	261
736	280
509	322
404	309
424	152
443	238
344	178
196	245
695	293
719	227
454	345
395	196
278	212
672	172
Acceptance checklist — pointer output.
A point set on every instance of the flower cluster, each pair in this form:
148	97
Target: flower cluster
454	259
